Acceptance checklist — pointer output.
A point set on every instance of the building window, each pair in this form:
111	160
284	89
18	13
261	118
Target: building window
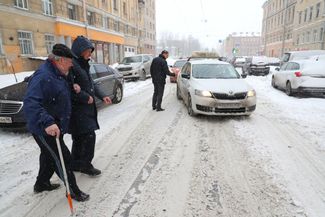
305	17
116	26
124	9
90	18
115	4
317	10
21	4
298	37
321	34
72	11
308	37
300	17
25	42
311	13
48	7
49	42
108	20
315	36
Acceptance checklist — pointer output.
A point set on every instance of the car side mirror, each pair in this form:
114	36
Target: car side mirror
277	69
186	76
244	75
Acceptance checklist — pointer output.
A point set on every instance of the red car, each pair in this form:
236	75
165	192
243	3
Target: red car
177	67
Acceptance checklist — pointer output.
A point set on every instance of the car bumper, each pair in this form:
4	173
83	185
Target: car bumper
311	91
131	74
12	120
259	71
211	106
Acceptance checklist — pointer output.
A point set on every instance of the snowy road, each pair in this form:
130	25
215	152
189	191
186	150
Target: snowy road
169	164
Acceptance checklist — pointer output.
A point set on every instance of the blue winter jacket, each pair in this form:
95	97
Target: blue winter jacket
47	100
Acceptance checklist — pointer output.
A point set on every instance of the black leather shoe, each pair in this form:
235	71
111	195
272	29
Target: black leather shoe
92	171
38	188
153	108
79	196
160	109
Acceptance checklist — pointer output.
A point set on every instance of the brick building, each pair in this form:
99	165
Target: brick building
29	28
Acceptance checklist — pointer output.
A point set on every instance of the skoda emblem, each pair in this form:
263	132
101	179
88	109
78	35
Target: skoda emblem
231	92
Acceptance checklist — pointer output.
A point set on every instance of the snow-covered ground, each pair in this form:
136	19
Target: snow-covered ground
169	164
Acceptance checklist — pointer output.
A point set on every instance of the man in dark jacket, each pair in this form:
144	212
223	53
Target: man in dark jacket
159	70
84	112
47	107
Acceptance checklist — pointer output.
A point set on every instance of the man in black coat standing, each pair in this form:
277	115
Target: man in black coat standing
159	70
84	112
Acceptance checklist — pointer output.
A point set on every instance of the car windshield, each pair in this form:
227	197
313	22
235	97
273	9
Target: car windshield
135	59
286	57
214	71
180	63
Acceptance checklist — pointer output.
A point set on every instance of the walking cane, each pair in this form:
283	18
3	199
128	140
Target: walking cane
65	177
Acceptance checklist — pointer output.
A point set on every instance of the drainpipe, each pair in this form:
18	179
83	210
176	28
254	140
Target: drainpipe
284	27
323	39
85	17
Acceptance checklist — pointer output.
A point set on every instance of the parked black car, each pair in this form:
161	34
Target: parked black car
256	66
11	97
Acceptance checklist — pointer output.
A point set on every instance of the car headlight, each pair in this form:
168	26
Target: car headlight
203	93
251	93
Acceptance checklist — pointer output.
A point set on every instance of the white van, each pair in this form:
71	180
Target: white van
300	55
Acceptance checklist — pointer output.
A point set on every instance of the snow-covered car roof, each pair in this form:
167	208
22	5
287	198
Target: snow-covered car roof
208	61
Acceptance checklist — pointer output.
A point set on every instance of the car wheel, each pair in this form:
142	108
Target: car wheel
143	75
178	93
273	82
288	89
118	94
189	106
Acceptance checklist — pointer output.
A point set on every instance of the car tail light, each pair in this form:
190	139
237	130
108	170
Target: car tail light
298	74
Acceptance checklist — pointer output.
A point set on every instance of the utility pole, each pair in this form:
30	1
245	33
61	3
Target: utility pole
284	26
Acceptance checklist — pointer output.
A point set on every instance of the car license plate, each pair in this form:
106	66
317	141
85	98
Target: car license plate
6	120
229	105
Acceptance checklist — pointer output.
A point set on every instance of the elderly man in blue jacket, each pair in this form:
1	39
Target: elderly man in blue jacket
47	107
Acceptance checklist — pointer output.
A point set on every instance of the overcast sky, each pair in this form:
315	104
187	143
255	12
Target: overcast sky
210	21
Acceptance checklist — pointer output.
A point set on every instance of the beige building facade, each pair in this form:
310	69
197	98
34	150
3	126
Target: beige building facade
238	45
29	29
293	25
278	26
309	25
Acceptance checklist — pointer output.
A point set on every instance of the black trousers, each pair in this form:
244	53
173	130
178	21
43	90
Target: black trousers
49	161
158	94
83	150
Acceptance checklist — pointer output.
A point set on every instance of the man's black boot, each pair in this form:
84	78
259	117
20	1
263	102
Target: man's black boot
160	109
92	171
79	196
47	186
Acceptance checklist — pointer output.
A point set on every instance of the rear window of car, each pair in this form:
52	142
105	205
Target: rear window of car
179	63
214	71
135	59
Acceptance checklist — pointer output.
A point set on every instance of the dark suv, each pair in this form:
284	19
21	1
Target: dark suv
256	66
11	97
